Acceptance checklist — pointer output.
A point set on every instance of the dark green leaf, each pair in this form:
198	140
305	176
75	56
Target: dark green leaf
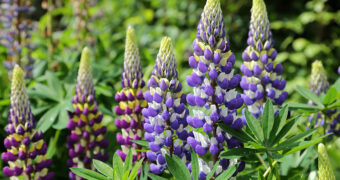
55	84
267	119
103	168
240	135
134	171
330	96
88	174
212	172
194	165
254	125
286	128
177	167
155	177
118	166
238	152
297	106
309	95
279	121
304	145
48	118
141	142
227	173
294	138
128	162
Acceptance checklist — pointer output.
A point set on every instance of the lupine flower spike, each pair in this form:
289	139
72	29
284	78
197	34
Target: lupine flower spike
262	75
165	118
86	140
16	36
131	100
26	149
325	167
214	97
319	84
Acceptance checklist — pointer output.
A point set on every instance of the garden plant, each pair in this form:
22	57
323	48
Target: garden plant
169	89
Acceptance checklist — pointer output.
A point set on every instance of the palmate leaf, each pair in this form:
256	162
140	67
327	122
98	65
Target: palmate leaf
177	167
227	173
309	95
279	121
305	144
304	107
289	141
235	153
88	174
134	171
127	164
267	119
239	134
155	177
103	168
285	129
254	125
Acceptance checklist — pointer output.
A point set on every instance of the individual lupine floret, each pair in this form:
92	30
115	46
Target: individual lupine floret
86	139
324	165
26	149
15	35
131	100
319	84
262	75
165	118
214	83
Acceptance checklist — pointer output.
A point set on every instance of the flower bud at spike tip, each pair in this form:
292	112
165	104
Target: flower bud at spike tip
214	96
23	142
131	100
324	165
318	80
86	130
165	118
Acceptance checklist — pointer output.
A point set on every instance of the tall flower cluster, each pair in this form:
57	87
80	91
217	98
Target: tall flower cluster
86	139
214	95
262	75
324	164
26	149
15	34
165	118
319	84
130	99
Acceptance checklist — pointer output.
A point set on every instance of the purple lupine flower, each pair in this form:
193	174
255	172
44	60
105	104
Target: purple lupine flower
26	149
261	74
215	98
165	118
339	70
86	140
319	84
131	100
15	35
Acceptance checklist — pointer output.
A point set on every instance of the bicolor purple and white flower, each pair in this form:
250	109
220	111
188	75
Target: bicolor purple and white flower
131	100
16	36
165	117
26	149
214	83
262	75
86	140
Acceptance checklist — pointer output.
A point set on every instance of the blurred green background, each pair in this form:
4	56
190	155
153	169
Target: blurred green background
303	31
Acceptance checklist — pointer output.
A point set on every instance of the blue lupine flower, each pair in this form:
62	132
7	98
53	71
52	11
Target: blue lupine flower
15	35
262	75
214	95
165	118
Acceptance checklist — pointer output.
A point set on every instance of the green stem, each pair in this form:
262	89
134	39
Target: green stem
273	165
